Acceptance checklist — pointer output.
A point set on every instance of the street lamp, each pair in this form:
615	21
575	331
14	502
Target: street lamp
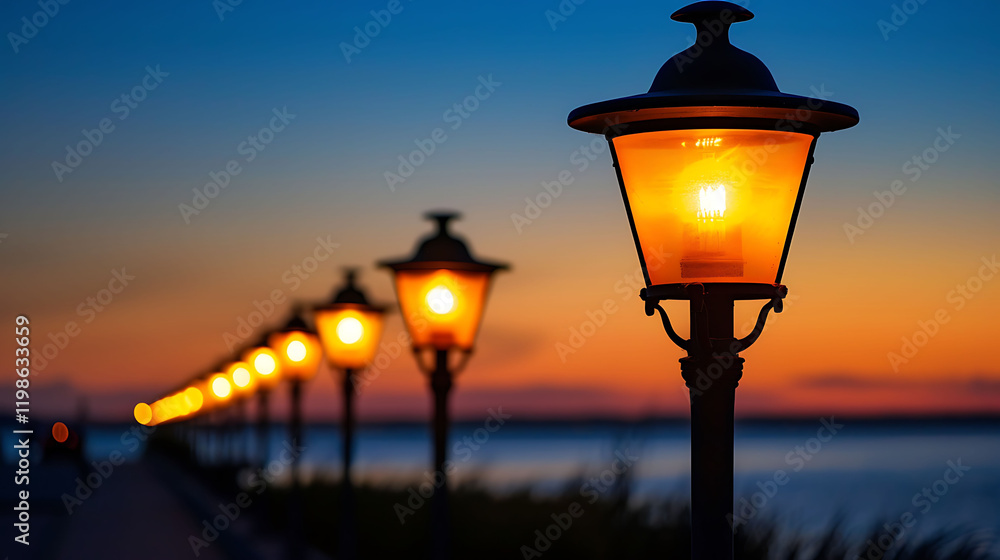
263	363
244	383
350	329
442	292
712	164
299	355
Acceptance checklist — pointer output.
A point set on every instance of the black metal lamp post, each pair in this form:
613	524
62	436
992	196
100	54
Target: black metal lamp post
712	164
442	292
350	329
299	354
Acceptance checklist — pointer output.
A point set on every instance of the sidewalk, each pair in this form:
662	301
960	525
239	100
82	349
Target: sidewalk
132	515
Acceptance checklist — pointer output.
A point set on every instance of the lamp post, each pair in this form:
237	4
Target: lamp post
264	365
442	291
244	383
350	329
712	164
220	390
298	353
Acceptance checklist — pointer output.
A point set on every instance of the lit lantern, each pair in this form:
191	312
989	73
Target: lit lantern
298	350
442	290
712	164
243	380
349	327
143	414
264	364
221	387
194	399
712	161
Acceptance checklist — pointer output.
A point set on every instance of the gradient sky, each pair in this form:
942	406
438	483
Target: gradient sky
852	301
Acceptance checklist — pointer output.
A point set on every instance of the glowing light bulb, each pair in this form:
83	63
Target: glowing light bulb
194	398
440	300
713	202
264	364
143	413
296	351
350	330
241	377
221	387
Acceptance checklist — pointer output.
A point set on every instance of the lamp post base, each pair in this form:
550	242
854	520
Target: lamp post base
712	388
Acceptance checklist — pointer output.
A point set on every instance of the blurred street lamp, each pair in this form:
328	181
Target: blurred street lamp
264	365
442	291
143	414
299	354
350	329
712	164
244	383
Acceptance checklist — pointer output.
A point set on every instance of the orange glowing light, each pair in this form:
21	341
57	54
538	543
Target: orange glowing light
350	334
143	414
442	308
60	432
242	379
263	363
712	205
221	388
193	399
299	353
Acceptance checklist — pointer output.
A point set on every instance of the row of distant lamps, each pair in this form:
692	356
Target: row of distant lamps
442	292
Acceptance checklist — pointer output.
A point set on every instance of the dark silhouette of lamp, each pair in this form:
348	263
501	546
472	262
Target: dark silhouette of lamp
442	292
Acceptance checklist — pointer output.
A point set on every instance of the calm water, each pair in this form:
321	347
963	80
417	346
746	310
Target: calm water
866	471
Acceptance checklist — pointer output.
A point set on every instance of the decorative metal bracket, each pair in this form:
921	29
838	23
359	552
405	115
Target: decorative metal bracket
429	368
652	305
697	293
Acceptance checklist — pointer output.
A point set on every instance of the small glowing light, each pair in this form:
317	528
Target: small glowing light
296	351
241	377
350	330
713	202
440	300
60	432
194	399
221	387
143	413
708	142
264	363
